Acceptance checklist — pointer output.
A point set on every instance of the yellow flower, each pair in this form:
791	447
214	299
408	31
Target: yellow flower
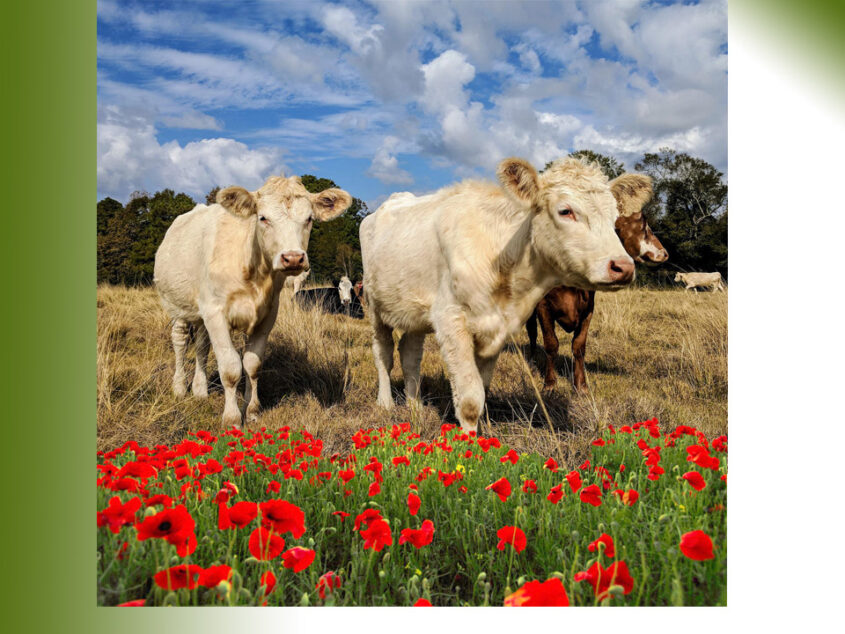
460	468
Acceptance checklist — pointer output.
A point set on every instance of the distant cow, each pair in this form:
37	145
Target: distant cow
296	282
572	308
471	261
332	299
703	280
221	268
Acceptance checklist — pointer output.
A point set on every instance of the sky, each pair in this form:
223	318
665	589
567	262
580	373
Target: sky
385	95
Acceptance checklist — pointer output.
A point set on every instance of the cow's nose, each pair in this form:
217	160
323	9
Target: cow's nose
664	255
620	271
293	259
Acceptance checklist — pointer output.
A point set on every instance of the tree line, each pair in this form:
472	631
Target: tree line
689	214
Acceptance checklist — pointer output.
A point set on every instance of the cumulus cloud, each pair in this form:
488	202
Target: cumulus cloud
385	165
130	158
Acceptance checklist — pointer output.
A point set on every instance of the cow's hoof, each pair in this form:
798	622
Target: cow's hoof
179	389
549	385
252	415
232	420
199	390
386	403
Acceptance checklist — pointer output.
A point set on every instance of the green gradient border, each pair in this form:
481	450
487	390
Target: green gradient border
48	259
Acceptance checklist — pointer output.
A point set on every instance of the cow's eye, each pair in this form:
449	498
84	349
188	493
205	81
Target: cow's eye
566	212
262	218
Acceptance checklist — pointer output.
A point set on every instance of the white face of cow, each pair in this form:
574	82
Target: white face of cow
284	212
573	225
344	289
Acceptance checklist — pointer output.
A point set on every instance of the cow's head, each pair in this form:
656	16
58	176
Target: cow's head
284	212
573	223
344	289
679	277
632	192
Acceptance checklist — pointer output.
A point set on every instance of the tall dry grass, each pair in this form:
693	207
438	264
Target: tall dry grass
650	353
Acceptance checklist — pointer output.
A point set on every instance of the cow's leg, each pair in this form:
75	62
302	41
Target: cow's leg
253	356
179	336
531	329
410	355
579	349
199	386
229	365
458	351
383	356
486	365
551	345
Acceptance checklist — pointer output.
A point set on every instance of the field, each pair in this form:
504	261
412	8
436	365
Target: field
650	353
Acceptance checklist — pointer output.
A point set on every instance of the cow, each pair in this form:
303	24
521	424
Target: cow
337	299
296	282
703	280
471	261
358	289
220	269
572	308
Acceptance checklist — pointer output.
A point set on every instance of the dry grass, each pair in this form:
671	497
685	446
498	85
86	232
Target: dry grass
650	353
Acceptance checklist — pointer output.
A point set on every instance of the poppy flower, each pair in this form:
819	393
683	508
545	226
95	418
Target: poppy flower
414	502
182	576
720	443
268	580
574	480
511	535
116	514
242	513
695	479
369	515
342	514
655	471
136	603
537	593
602	578
697	545
164	500
591	495
264	544
375	489
529	486
422	603
328	582
501	487
377	535
551	465
418	537
283	517
630	496
607	540
212	576
346	475
556	494
400	460
274	486
598	442
511	456
297	558
185	544
173	525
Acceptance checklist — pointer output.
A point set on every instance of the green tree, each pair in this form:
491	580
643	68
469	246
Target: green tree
609	165
106	209
211	196
120	227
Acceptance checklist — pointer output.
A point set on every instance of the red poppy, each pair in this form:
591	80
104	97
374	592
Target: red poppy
174	525
602	578
695	479
185	544
268	580
346	475
274	486
720	443
342	514
422	603
551	465
369	515
328	582
182	576
298	558
556	494
511	535
242	513
607	540
630	496
264	544
418	537
400	460
136	603
377	535
598	442
574	479
501	487
511	457
414	502
223	521
697	545
375	489
282	517
537	593
164	500
529	486
212	576
655	471
116	514
591	495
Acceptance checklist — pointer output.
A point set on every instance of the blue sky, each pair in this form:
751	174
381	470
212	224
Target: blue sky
386	96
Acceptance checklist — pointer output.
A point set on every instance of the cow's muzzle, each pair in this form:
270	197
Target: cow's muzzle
292	261
620	270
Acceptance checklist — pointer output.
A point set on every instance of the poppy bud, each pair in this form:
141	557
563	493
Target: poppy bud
306	600
602	528
481	577
426	584
521	581
251	560
413	582
382	574
311	542
170	599
558	575
150	510
223	588
616	590
236	579
575	534
245	594
386	558
664	518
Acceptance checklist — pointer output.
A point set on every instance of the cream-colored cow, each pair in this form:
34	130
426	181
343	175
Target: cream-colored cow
704	280
471	261
221	267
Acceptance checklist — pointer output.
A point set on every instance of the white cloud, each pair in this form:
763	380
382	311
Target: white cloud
385	165
445	78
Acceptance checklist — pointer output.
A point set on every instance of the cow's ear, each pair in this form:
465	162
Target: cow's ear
238	201
519	178
330	203
632	192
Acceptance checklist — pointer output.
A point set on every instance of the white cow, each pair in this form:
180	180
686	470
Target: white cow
221	268
344	289
471	261
704	280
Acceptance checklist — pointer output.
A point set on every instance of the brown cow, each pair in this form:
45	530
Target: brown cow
572	308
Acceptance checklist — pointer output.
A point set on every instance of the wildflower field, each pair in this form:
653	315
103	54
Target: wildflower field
263	518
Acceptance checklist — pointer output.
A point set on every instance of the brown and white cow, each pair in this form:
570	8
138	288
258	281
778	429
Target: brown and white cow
703	280
572	308
471	261
221	267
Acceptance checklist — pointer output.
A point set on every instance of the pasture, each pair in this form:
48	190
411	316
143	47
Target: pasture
651	353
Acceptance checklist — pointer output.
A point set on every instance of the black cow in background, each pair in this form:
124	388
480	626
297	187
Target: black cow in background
335	300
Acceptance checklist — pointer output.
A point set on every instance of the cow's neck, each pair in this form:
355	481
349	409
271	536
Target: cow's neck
256	267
